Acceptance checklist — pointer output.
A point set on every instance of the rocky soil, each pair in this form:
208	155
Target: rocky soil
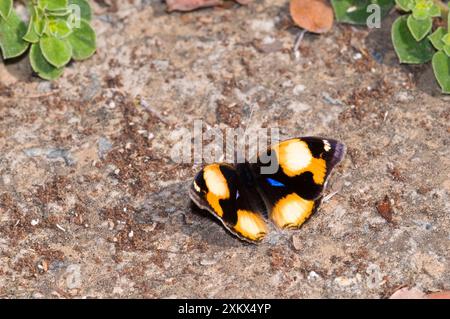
92	205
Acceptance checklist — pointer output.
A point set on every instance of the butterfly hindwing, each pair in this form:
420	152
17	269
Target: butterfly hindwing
230	197
293	190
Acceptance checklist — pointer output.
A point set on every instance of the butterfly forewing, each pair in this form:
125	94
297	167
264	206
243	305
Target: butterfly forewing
293	191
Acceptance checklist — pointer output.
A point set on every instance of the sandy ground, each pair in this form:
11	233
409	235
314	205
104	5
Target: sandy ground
91	204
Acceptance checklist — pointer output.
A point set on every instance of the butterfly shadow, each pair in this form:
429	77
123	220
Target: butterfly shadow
172	208
210	229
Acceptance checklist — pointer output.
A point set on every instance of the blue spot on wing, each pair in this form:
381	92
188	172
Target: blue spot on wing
274	182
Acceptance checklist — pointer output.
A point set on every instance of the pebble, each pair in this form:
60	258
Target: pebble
313	275
208	262
403	97
160	65
263	25
51	153
327	98
44	87
61	153
343	281
357	56
92	89
73	279
297	242
104	146
299	88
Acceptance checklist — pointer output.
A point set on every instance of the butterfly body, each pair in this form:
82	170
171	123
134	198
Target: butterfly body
244	196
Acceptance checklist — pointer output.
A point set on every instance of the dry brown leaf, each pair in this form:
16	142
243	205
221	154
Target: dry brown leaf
415	293
189	5
408	293
313	15
439	295
384	208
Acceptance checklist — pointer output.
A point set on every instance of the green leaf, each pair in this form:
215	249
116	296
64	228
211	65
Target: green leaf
355	12
419	28
31	35
83	41
436	38
5	8
435	11
424	9
58	28
52	4
56	51
85	8
405	5
441	68
40	65
446	38
447	49
12	31
407	48
38	21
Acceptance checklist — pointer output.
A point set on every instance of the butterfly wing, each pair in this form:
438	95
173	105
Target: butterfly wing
228	195
299	172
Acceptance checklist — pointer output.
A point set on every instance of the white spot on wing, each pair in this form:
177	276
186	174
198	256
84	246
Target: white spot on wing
327	145
196	187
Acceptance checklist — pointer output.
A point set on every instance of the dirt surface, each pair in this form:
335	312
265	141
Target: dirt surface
91	204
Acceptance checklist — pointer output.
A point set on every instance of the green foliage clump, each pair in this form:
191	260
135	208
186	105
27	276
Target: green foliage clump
57	32
414	39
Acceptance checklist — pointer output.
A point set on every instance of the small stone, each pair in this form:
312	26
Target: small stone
297	242
287	84
343	281
313	275
73	279
131	234
34	222
160	65
117	290
357	56
44	87
327	98
92	89
208	262
43	266
263	25
33	151
104	146
299	88
403	97
61	153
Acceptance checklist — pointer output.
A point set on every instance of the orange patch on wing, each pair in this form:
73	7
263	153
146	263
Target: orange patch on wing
295	158
217	187
291	211
250	225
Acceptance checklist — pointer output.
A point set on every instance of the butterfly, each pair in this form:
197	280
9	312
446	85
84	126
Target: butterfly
284	185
